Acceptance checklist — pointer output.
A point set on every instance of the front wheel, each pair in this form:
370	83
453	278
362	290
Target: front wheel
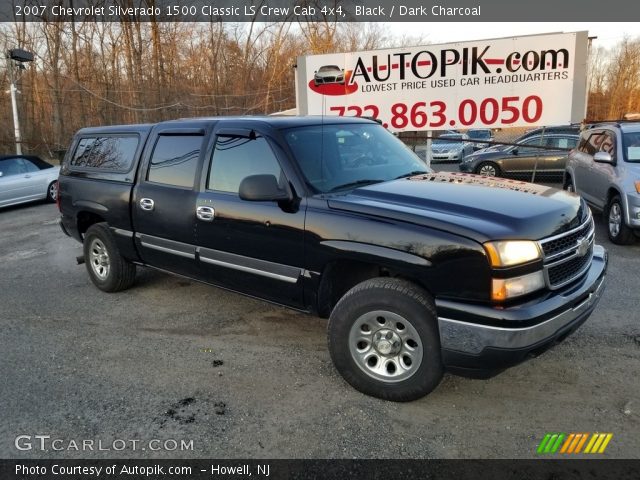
108	270
618	231
568	185
383	339
488	169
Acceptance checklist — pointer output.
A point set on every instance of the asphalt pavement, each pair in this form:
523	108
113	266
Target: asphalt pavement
211	374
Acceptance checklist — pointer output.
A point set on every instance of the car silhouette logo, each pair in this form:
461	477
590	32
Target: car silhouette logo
328	74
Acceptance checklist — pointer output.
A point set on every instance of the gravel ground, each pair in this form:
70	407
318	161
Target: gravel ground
172	359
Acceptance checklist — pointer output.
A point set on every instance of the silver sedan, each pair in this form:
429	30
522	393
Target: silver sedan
26	178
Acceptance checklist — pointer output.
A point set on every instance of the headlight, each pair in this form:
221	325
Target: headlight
512	252
506	288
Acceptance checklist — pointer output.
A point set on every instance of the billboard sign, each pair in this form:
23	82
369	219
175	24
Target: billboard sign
506	82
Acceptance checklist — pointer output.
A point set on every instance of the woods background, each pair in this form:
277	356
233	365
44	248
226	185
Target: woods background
88	73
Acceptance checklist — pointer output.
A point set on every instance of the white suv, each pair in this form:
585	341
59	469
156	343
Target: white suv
605	170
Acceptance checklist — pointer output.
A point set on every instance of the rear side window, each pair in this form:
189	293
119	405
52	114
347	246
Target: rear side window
563	143
110	153
175	159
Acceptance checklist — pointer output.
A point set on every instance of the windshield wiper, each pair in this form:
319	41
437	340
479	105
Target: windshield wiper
357	183
411	174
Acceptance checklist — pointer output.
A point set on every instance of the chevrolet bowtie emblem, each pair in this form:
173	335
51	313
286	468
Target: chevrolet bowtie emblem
582	247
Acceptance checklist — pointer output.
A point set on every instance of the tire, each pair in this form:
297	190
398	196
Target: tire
383	339
488	169
568	185
52	192
617	230
107	269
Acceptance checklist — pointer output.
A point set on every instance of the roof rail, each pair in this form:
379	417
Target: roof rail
616	123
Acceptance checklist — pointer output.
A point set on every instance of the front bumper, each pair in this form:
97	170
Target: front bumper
446	157
632	210
466	167
482	338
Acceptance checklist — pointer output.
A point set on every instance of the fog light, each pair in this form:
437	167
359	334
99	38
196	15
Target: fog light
506	288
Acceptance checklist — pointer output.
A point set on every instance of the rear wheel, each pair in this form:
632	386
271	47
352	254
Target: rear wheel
108	270
52	191
618	231
384	341
488	169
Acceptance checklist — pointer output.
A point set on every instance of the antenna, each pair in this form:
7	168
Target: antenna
324	106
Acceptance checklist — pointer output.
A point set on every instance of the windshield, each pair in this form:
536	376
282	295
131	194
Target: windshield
632	147
479	134
337	157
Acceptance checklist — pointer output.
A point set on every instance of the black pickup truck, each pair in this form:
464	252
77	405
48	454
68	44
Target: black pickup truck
418	271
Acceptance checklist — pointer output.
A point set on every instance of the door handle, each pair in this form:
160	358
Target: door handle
146	204
206	214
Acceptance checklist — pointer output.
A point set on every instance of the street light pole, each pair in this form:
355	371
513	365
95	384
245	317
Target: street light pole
14	106
19	56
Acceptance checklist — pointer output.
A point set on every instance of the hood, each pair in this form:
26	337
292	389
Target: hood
488	154
474	206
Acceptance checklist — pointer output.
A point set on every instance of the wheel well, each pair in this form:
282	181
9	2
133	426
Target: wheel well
612	192
340	276
86	219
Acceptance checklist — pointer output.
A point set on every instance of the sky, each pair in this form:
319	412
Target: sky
609	34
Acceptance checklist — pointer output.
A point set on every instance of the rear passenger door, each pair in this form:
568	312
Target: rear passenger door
524	157
255	247
165	197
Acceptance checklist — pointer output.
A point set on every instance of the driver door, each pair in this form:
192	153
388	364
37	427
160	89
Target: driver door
254	247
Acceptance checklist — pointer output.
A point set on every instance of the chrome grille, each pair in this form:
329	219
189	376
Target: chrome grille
564	272
567	256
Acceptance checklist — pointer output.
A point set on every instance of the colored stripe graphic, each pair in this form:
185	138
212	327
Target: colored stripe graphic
573	443
551	442
598	443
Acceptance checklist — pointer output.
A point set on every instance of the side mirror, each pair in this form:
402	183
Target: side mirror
603	157
514	151
262	188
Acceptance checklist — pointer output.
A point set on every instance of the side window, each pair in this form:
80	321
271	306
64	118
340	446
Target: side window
235	158
600	142
81	155
529	146
11	167
584	145
609	144
28	166
112	153
175	159
563	143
